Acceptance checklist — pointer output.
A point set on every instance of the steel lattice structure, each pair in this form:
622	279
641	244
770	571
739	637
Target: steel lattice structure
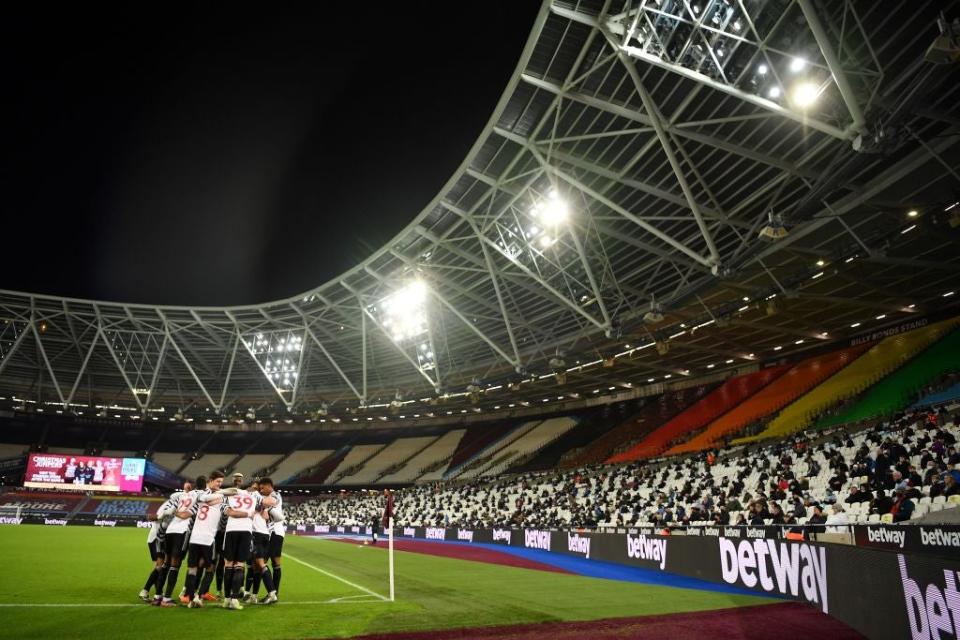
668	132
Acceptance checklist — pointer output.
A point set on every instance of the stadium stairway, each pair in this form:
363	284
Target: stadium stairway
901	387
653	414
719	401
878	362
789	386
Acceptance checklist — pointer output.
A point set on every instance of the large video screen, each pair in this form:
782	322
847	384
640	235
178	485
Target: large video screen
87	473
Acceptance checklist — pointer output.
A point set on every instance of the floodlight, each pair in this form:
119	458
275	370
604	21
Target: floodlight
797	65
404	313
773	93
805	94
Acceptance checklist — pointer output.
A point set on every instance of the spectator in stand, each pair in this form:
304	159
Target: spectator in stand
776	514
837	517
902	507
854	497
950	486
818	518
881	504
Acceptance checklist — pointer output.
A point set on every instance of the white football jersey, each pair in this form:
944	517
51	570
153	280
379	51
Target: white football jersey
207	521
246	502
278	524
260	524
187	502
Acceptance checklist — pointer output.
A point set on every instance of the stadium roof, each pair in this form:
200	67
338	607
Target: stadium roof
637	153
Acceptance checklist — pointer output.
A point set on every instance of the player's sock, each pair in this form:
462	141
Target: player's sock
256	582
276	577
161	579
248	583
228	582
237	582
171	582
268	580
152	579
205	581
190	583
219	573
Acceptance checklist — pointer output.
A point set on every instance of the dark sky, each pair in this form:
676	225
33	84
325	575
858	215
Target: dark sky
213	154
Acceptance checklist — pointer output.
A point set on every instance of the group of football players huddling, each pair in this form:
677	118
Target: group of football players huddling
224	533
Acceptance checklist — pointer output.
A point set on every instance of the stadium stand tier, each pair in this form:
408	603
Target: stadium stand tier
529	443
437	451
488	456
297	462
902	387
787	387
722	399
653	413
876	363
395	453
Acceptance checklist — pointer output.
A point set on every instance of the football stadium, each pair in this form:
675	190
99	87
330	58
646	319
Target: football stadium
673	352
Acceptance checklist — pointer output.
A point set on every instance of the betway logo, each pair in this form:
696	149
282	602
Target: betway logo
645	548
144	524
929	608
796	567
321	528
56	521
433	533
502	534
463	534
534	539
578	544
104	523
939	538
886	536
10	520
410	531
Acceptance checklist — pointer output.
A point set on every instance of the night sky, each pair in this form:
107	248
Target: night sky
211	154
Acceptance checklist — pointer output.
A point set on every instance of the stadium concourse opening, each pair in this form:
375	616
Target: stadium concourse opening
673	350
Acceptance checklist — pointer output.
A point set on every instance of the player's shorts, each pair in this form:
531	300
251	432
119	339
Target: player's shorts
198	552
236	546
261	545
156	549
175	544
275	550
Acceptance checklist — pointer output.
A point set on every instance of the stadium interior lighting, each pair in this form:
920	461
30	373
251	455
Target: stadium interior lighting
775	228
404	312
552	211
762	69
797	65
804	94
546	241
777	348
881	316
821	262
946	295
854	325
773	93
913	213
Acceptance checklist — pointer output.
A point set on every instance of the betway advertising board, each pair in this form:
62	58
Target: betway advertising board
915	588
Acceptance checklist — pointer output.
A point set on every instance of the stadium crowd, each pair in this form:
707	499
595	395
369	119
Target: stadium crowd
892	471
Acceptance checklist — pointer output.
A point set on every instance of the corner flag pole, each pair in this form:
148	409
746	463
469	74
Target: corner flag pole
390	554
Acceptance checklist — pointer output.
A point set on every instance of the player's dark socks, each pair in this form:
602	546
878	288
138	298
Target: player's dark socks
276	578
190	583
205	582
219	578
171	581
248	583
228	582
268	580
256	582
152	579
162	579
237	581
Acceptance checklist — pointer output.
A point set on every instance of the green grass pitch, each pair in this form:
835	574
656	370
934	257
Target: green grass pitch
100	572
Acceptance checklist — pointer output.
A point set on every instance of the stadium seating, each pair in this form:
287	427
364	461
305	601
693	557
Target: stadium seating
879	361
951	394
394	453
485	457
440	449
251	463
528	444
169	461
205	464
297	462
591	426
319	473
900	388
355	458
792	384
654	413
719	401
476	438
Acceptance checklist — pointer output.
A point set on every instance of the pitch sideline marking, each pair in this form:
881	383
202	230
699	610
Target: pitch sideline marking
336	577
